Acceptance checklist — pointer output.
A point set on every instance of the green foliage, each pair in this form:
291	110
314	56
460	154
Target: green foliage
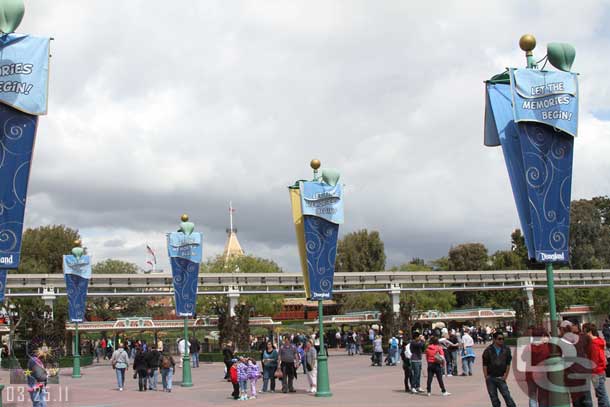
359	301
240	264
242	326
111	266
507	260
468	257
42	248
590	233
360	251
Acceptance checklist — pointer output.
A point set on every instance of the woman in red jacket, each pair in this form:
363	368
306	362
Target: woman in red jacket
597	355
435	358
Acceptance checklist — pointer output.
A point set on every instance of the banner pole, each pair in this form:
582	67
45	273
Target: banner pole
76	357
323	384
187	380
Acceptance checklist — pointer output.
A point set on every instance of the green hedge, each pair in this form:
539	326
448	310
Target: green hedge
9	363
218	357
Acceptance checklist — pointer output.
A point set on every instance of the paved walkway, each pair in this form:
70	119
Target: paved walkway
353	383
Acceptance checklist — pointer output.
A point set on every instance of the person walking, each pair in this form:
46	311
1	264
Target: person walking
195	348
289	359
497	358
269	359
37	381
416	347
182	346
311	366
435	358
467	353
227	356
168	369
141	369
393	351
597	355
405	355
120	362
377	351
153	358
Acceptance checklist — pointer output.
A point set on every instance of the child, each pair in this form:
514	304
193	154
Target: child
253	374
242	378
233	376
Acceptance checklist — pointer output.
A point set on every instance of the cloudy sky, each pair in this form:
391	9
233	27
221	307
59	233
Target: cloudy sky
158	108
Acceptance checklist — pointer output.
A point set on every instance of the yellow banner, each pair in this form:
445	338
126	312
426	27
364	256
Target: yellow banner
297	218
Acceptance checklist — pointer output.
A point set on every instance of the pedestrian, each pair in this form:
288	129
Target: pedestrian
496	366
338	339
311	366
195	348
289	359
405	355
37	380
467	353
269	359
140	369
183	345
98	350
301	351
168	369
597	355
416	346
103	346
254	374
153	358
233	379
120	362
453	349
435	358
393	351
242	378
377	351
227	356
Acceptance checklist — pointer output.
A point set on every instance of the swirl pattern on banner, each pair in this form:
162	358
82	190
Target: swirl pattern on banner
185	275
321	249
17	134
76	289
547	159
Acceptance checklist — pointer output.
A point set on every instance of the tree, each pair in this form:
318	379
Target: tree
360	251
42	248
468	257
360	301
589	233
111	266
507	260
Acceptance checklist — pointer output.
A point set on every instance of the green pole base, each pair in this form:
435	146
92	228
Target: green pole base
187	380
76	367
1	388
323	383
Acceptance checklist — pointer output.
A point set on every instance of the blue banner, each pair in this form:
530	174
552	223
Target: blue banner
539	163
24	72
3	273
546	97
17	134
321	248
77	272
185	253
322	200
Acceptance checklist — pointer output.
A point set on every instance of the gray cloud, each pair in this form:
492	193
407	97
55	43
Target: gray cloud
157	110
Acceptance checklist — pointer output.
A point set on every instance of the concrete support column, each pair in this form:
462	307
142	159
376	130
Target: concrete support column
529	291
233	294
48	296
395	293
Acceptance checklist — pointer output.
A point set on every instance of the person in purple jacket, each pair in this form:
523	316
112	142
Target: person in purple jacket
254	374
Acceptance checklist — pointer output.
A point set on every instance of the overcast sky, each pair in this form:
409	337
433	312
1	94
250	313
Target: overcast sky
158	108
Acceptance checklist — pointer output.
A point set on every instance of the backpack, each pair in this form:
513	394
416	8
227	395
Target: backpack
166	362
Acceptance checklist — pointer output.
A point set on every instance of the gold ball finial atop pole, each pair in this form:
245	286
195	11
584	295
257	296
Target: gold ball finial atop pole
315	164
527	43
184	217
78	243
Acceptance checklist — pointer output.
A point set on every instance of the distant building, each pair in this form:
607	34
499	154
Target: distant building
232	247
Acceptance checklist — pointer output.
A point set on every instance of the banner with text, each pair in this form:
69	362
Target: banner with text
17	134
539	161
77	273
185	253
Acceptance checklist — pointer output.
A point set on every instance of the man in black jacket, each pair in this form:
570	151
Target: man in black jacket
496	366
227	355
153	358
194	350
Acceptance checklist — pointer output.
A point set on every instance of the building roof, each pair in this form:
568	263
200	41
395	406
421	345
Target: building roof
232	247
305	302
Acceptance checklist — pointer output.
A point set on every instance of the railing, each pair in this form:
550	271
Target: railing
23	285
